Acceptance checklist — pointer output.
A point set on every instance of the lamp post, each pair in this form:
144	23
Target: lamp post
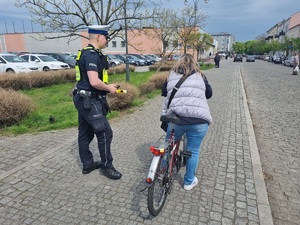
126	42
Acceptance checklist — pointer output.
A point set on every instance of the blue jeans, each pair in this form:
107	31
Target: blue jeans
194	134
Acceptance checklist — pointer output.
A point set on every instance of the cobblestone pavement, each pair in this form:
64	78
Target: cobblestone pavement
274	97
41	180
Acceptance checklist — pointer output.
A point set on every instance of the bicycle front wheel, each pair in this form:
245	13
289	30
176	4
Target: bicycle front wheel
157	192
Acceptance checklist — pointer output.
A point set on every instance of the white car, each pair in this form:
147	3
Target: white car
15	64
45	62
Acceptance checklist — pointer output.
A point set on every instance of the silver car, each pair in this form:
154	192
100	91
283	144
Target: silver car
289	61
113	60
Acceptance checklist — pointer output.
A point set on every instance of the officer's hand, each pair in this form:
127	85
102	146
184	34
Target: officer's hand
112	88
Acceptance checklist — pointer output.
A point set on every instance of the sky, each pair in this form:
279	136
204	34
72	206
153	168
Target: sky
244	19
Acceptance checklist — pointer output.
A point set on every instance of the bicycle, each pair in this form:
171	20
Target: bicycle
166	163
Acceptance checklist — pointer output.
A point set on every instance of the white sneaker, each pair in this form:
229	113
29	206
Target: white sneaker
190	186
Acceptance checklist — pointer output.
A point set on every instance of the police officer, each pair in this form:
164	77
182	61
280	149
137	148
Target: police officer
90	101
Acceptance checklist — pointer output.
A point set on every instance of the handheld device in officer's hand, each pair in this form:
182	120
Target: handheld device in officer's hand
121	91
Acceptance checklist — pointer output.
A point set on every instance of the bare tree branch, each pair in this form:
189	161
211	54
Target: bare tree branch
72	16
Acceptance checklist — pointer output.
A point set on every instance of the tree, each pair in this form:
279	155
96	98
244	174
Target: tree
186	23
163	30
202	41
239	47
69	17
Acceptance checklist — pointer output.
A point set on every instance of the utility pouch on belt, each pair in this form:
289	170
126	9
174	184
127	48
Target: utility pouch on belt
86	95
105	106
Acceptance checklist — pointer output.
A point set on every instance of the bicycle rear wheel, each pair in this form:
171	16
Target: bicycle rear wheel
157	192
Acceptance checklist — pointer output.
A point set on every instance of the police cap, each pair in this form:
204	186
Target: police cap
99	29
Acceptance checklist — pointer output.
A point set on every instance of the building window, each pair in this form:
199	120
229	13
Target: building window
114	44
123	43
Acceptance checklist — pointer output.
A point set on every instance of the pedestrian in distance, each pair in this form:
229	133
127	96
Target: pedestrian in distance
296	64
190	105
90	101
217	60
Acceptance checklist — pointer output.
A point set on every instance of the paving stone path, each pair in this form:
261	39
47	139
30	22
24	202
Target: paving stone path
41	180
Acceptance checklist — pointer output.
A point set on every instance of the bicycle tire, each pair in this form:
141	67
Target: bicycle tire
157	192
179	160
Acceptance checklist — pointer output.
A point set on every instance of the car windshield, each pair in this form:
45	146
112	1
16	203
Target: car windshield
46	58
13	58
67	57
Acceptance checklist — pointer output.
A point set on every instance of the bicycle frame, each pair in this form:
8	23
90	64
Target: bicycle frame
158	154
171	147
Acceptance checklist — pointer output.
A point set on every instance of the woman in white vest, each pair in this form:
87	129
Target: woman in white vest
190	105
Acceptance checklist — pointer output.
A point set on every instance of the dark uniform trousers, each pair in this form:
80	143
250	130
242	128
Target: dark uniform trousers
93	122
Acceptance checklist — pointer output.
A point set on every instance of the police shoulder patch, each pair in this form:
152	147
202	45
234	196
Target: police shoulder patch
92	64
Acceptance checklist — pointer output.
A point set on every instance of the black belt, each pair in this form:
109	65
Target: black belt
91	94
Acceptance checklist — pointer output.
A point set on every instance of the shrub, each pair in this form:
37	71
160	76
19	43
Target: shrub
24	81
121	101
147	87
14	107
162	66
121	69
158	79
206	66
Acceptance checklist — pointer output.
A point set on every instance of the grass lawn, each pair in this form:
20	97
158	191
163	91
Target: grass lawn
57	101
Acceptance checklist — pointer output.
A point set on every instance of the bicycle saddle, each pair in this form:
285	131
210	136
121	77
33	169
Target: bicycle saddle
170	118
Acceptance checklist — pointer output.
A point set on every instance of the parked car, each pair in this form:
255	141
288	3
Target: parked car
45	62
14	64
152	60
283	58
113	60
289	61
142	61
72	54
157	59
63	58
238	57
266	58
137	61
250	58
148	61
277	59
123	58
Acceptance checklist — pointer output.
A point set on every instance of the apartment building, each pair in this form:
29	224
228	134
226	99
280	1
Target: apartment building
225	41
287	28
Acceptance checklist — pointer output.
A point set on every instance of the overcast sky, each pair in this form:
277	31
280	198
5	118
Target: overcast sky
244	19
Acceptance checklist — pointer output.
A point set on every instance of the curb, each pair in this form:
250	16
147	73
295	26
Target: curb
264	210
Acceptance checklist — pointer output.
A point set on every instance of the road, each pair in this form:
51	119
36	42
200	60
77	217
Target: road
273	96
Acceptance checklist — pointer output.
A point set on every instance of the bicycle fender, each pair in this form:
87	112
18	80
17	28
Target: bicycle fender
153	167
